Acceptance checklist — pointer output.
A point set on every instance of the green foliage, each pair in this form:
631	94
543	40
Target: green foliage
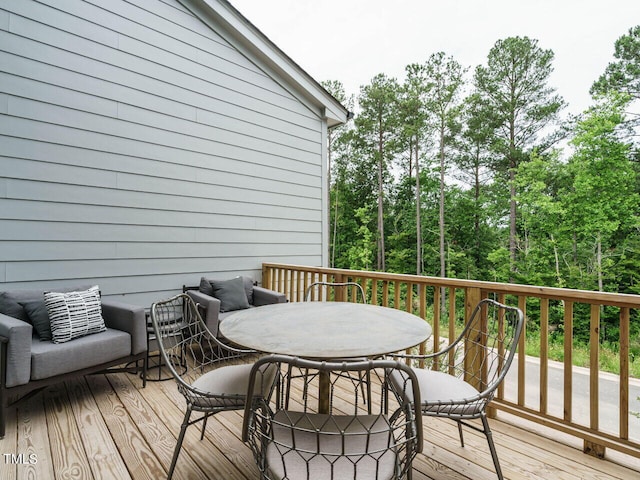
622	75
577	219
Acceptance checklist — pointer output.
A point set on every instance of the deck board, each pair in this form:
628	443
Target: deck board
108	426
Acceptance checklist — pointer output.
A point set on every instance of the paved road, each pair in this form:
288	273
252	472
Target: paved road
609	388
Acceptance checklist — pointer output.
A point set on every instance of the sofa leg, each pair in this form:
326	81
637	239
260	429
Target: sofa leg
4	399
3	413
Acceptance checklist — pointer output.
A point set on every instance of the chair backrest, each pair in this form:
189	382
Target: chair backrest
188	347
484	351
358	438
335	291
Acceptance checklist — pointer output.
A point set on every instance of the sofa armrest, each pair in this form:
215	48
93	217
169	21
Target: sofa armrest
264	296
128	318
211	307
17	335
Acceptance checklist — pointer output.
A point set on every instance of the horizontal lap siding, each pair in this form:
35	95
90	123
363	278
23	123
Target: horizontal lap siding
140	150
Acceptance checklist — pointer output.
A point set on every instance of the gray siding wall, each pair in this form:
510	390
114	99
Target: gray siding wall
140	149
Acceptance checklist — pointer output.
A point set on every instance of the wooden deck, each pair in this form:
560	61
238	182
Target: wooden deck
108	427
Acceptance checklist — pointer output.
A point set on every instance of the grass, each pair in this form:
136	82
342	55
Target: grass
609	355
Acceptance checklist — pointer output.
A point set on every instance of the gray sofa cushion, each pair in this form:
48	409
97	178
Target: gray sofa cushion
248	288
38	317
231	294
223	315
207	287
10	300
49	359
10	305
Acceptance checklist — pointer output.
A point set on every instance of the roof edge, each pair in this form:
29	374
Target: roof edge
256	42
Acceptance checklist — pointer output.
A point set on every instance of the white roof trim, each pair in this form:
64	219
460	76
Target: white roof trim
251	38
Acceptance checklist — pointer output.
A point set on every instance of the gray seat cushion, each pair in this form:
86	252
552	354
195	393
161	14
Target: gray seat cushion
223	315
49	359
230	380
437	388
365	445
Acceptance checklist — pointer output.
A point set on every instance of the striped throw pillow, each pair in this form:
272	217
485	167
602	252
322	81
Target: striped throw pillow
74	314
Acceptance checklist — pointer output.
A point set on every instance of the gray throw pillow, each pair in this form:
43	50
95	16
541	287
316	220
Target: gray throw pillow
39	317
248	288
10	305
231	294
205	286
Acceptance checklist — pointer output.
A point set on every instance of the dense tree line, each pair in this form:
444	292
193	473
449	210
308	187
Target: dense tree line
477	173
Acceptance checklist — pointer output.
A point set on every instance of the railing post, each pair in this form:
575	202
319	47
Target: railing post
338	293
474	358
266	280
589	447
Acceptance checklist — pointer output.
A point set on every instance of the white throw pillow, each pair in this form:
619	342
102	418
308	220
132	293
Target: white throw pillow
74	314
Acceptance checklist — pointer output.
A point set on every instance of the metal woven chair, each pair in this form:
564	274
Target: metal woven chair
322	290
208	373
348	442
459	382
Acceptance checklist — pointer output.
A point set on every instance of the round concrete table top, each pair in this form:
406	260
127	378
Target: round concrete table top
325	330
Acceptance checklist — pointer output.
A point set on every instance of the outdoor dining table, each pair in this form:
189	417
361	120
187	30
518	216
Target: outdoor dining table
325	331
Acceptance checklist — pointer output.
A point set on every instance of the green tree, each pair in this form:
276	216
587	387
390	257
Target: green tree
603	199
623	74
542	220
519	103
338	145
473	170
377	127
415	128
445	78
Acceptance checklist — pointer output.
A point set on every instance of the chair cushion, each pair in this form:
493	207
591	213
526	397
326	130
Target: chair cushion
231	294
349	446
230	380
74	314
438	388
49	359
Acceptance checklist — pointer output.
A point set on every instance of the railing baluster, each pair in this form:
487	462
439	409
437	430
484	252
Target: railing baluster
522	305
568	361
422	301
385	293
624	372
594	368
374	292
544	354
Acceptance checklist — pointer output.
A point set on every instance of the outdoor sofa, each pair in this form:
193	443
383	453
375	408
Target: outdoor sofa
29	360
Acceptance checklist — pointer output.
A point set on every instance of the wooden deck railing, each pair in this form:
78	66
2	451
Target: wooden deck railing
534	394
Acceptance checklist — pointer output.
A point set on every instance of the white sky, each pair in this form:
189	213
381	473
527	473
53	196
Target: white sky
353	40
